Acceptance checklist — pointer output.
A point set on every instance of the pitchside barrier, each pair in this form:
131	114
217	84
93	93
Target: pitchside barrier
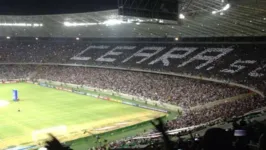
3	81
121	95
75	89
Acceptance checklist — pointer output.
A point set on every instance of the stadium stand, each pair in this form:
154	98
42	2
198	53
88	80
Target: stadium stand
177	91
104	65
244	133
228	62
9	72
149	86
225	111
211	63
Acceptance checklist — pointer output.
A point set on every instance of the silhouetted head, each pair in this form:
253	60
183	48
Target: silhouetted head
216	139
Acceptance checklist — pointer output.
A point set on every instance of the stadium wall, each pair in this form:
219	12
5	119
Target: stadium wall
3	81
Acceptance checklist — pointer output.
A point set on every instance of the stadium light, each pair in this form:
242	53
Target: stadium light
36	38
36	25
176	39
181	16
112	22
77	38
8	37
139	20
75	24
109	22
21	24
226	7
129	20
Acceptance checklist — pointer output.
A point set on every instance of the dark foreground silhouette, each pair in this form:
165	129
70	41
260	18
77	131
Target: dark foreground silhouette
244	135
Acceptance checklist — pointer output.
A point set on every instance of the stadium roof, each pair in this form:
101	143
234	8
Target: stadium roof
199	18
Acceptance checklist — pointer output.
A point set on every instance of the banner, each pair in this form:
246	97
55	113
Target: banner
79	92
30	82
46	85
9	81
92	95
64	89
129	103
116	100
103	97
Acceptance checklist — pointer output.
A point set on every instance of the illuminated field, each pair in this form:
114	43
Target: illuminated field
43	110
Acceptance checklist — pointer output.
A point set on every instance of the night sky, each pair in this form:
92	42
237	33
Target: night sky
31	7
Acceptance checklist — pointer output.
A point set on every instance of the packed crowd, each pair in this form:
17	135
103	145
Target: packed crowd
174	90
178	91
224	111
136	144
242	135
62	51
183	92
15	72
38	52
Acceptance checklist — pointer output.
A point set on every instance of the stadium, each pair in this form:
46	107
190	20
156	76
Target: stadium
153	75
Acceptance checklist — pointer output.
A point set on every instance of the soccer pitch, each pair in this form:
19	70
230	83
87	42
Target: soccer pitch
44	110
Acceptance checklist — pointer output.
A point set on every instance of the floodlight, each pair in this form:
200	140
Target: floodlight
181	16
226	7
112	22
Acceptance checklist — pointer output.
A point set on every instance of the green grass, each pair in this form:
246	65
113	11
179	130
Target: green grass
43	108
